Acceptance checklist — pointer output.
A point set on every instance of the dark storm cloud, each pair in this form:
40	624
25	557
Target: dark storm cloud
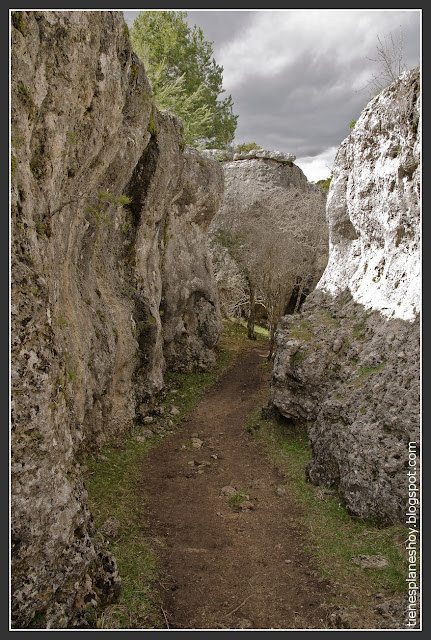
217	26
306	108
298	78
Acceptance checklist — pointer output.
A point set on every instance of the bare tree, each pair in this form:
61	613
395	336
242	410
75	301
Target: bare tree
390	58
290	262
270	258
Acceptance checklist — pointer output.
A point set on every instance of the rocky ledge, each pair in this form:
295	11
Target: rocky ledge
265	154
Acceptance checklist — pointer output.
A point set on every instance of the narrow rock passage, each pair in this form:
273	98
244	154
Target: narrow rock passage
227	566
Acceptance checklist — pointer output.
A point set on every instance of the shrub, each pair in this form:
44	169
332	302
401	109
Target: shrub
246	147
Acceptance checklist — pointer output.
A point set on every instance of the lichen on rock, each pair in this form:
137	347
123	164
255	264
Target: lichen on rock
109	214
348	366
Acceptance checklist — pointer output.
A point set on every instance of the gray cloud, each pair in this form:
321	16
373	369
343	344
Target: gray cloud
221	26
298	78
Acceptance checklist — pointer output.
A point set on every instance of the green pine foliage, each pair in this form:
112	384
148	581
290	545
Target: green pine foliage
184	76
245	147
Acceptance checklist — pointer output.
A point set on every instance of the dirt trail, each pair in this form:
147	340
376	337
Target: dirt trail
227	568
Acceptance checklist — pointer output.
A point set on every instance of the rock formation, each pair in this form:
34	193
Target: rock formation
277	156
348	365
269	235
110	280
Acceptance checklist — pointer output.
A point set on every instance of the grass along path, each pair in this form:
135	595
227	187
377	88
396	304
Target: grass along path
120	484
113	480
333	537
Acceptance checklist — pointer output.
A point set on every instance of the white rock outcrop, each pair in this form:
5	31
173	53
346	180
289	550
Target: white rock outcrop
348	367
373	206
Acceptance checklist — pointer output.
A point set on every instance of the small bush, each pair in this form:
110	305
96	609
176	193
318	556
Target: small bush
246	147
297	358
324	184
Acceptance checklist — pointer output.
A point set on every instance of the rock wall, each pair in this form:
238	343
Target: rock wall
348	366
111	283
270	228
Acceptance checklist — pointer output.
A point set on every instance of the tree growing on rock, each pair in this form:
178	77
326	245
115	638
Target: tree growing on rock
390	61
268	241
245	147
185	78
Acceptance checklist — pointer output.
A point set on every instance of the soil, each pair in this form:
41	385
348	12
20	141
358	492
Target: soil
228	567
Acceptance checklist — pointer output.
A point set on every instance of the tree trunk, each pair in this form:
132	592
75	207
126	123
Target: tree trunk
299	297
252	313
271	341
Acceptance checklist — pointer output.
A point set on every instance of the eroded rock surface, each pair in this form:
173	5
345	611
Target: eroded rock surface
267	154
110	283
348	366
270	230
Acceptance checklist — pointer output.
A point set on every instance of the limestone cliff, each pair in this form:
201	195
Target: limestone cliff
348	366
270	231
110	281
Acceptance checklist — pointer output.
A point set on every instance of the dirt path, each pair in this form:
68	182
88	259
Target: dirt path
228	567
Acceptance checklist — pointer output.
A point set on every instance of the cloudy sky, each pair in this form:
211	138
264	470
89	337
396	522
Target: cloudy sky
299	77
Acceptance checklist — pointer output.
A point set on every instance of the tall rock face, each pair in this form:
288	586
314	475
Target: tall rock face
111	283
270	231
348	366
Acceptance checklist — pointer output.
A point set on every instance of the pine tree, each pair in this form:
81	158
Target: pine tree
184	76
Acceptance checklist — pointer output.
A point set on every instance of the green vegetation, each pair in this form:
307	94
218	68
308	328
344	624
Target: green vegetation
246	147
120	475
303	331
13	165
185	79
359	330
104	198
297	358
152	129
260	332
61	321
23	92
352	124
40	228
331	535
327	319
367	371
324	184
238	498
18	22
121	200
38	162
